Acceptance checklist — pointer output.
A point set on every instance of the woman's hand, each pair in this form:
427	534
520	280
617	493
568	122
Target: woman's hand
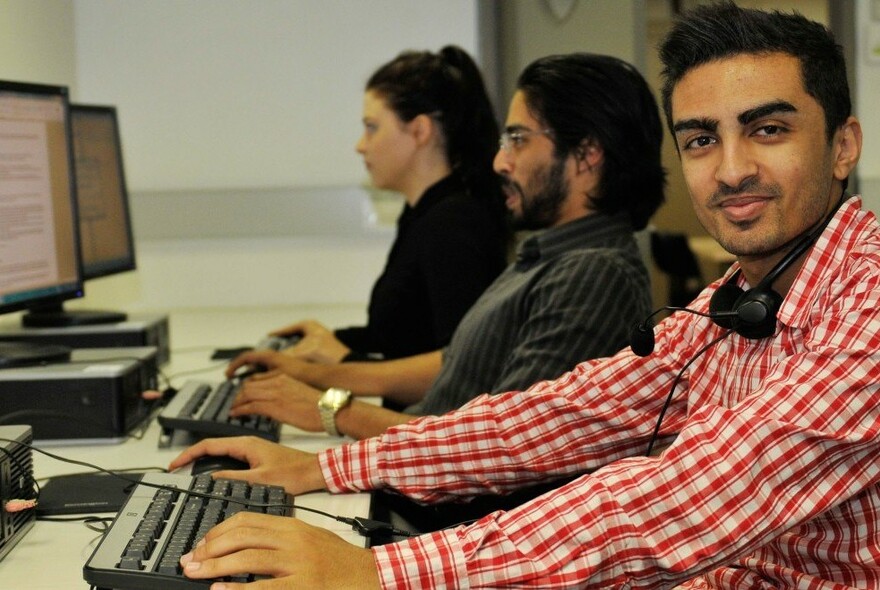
318	344
271	360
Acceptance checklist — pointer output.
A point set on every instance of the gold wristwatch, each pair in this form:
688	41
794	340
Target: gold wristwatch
333	400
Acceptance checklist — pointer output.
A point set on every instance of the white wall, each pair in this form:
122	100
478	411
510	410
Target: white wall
37	42
233	93
531	29
232	105
867	70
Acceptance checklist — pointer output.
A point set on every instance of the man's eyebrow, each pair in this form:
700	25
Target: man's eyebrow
744	118
771	108
515	128
704	124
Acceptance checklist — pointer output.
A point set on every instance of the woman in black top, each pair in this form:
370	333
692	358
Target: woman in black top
430	134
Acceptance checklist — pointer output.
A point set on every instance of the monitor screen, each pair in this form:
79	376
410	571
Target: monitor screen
39	256
106	241
106	244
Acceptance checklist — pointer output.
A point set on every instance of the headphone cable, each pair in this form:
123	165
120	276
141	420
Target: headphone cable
675	381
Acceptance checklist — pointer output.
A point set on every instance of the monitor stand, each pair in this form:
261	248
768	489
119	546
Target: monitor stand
55	316
23	354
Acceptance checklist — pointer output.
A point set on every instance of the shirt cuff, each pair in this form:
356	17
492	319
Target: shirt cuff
423	562
351	468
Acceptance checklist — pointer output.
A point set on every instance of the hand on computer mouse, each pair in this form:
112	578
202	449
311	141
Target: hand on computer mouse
318	344
270	463
270	360
217	464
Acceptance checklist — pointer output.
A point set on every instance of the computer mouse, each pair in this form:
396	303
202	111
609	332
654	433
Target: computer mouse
212	463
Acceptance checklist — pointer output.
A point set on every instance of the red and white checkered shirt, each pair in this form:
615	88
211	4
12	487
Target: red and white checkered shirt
772	482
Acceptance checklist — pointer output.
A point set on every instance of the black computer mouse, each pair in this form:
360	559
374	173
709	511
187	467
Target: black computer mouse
212	463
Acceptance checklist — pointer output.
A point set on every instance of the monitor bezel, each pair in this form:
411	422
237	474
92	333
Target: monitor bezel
91	272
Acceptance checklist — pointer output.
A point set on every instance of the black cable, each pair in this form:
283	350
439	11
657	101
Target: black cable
21	468
91	524
363	526
88	520
152	469
675	383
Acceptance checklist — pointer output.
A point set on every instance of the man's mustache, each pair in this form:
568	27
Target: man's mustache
748	186
510	185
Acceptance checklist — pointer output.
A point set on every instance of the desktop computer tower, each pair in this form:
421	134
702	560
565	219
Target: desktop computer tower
147	356
16	483
137	330
94	398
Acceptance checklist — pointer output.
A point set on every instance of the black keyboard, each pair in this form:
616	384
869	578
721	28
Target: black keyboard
203	408
141	550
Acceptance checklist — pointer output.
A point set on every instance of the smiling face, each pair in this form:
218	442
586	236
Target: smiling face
387	146
755	154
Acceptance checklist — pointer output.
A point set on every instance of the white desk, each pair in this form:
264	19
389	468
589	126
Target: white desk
51	555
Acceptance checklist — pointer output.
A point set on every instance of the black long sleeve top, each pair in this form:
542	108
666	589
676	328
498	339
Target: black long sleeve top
449	247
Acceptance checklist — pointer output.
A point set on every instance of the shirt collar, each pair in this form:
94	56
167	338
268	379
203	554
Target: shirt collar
823	260
590	231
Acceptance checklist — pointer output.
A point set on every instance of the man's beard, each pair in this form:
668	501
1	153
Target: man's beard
548	190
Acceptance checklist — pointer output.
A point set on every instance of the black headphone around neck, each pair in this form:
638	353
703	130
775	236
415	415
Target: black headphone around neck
752	313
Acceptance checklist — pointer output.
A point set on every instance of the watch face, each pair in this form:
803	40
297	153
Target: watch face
334	398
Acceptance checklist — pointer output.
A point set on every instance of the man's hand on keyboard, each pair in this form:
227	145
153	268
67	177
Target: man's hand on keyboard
301	555
317	345
270	463
281	398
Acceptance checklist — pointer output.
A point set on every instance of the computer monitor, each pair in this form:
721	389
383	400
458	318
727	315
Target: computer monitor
39	234
106	239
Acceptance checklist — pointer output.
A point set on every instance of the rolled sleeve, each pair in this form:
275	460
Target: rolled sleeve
429	561
351	468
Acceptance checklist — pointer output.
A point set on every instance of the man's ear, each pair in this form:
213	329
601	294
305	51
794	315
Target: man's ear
847	147
589	156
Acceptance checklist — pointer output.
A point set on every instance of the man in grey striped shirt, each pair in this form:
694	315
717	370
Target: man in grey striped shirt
580	159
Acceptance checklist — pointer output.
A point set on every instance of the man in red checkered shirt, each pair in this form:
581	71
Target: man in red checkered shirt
771	477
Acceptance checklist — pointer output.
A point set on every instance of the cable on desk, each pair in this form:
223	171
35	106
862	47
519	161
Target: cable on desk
363	526
152	468
35	487
89	520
